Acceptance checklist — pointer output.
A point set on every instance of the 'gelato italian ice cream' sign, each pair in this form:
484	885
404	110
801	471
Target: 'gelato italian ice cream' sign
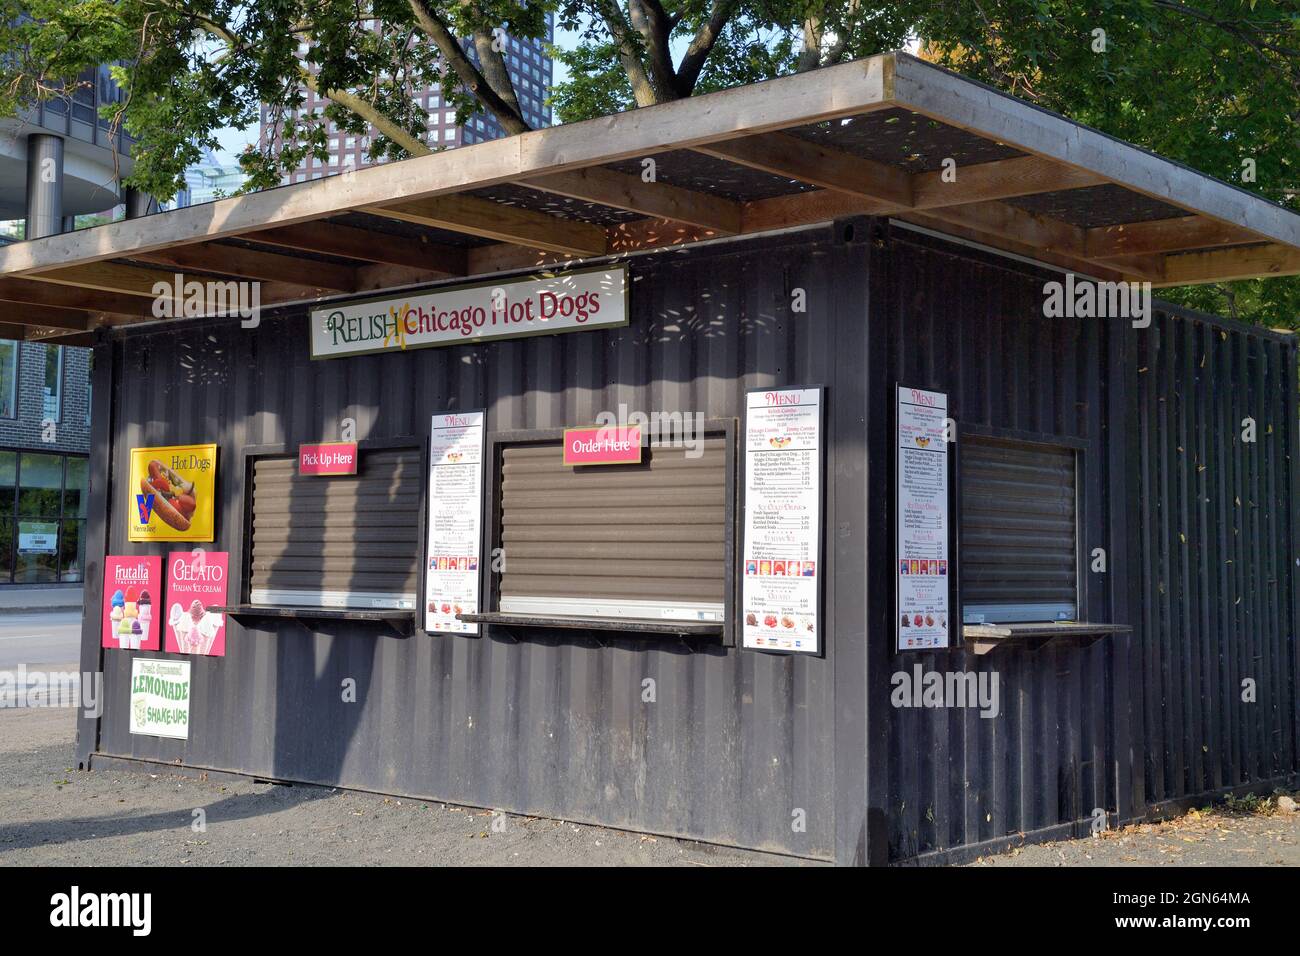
196	582
537	305
131	585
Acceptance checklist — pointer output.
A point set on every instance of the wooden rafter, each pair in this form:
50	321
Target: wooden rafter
790	157
656	200
255	264
1222	265
1163	235
490	220
365	245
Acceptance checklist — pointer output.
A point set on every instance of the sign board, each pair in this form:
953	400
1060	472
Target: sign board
602	445
328	458
38	537
196	581
456	315
132	585
921	517
160	697
173	492
451	581
781	558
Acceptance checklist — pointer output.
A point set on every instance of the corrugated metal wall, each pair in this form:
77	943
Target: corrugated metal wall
540	722
1197	532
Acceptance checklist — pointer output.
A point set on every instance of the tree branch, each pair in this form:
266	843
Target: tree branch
697	53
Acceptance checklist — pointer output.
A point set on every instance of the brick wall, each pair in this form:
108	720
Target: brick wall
72	431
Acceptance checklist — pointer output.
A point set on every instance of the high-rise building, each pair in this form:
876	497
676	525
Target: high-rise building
59	159
530	70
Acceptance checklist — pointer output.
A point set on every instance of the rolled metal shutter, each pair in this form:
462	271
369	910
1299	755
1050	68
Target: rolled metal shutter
643	541
348	541
1019	537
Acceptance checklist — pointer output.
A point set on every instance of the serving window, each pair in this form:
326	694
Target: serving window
1019	541
348	541
647	542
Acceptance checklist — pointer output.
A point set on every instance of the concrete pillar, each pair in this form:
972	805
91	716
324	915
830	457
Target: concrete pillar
139	204
44	185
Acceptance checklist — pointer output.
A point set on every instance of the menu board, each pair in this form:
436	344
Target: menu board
451	582
781	559
921	517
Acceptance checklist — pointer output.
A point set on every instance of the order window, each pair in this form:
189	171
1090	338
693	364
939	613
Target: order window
640	541
350	541
1019	532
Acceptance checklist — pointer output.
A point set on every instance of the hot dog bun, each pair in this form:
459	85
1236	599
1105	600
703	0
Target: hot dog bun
162	505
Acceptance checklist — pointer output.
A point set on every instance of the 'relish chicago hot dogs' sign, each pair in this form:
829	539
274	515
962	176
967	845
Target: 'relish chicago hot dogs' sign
457	315
172	490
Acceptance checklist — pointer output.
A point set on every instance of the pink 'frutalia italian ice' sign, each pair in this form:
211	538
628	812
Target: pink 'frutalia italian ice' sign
196	583
132	583
602	445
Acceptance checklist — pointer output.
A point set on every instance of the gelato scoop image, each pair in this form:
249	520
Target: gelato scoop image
144	599
131	595
135	628
118	599
116	614
196	610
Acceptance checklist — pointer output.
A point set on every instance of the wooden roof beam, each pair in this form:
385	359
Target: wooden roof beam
366	245
68	297
490	220
23	313
1163	235
790	157
617	190
1223	265
255	264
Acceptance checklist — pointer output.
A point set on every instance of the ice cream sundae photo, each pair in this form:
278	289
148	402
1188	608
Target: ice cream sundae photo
194	628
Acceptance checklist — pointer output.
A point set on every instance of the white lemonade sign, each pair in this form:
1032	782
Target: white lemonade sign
160	697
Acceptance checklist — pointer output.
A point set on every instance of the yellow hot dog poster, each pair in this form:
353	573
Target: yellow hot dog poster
173	491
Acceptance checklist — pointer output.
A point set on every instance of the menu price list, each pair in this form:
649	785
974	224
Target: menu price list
782	543
922	520
455	506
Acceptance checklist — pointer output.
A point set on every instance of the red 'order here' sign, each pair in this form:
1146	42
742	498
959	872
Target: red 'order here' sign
602	445
328	458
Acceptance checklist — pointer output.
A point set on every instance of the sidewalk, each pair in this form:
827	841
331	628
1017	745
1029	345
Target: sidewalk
15	599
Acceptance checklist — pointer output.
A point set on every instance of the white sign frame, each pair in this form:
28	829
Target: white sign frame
455	433
139	702
924	590
494	309
759	593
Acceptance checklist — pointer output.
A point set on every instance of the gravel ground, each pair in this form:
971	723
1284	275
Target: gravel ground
1247	834
51	814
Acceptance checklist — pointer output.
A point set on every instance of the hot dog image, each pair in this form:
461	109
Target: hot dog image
173	496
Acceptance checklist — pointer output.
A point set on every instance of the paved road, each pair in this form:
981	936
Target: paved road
40	638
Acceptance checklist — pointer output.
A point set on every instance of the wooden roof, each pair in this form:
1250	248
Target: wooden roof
869	137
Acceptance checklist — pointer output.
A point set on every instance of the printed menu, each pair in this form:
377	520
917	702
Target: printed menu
922	520
781	559
455	506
